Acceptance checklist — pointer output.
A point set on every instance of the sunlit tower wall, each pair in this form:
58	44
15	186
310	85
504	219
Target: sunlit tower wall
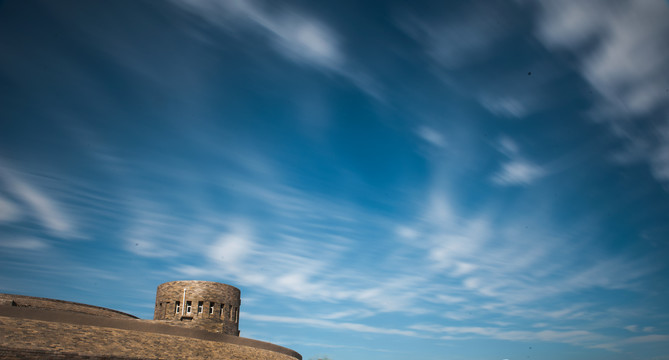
205	305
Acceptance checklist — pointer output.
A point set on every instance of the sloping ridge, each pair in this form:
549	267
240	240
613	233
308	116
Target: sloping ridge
132	323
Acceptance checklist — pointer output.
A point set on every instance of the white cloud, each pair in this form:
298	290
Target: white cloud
622	51
289	268
295	35
492	255
232	247
505	106
648	329
463	268
327	324
507	146
457	242
431	136
517	172
646	339
8	210
659	158
24	243
407	232
576	337
632	328
347	314
630	58
463	38
610	273
457	315
439	211
193	271
154	231
46	210
447	299
143	244
305	39
150	236
476	257
615	346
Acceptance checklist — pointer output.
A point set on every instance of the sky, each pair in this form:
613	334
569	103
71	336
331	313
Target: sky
381	179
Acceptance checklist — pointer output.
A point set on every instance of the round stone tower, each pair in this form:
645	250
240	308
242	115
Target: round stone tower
205	305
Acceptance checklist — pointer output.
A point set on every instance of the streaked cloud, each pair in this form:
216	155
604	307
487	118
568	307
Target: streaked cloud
320	323
233	246
507	146
235	141
644	339
465	38
630	53
632	328
507	107
517	170
9	211
294	34
356	313
576	337
621	51
517	173
431	135
24	243
46	210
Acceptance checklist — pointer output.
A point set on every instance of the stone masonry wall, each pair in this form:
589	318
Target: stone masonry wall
219	305
60	305
35	339
26	354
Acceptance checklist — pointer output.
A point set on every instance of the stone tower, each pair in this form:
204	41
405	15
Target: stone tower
205	305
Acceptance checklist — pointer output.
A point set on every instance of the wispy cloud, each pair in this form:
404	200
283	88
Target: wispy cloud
431	135
493	259
356	313
517	170
470	37
296	35
630	56
486	262
327	324
238	255
46	210
659	157
505	106
9	211
336	346
621	49
517	173
576	337
23	243
620	344
466	36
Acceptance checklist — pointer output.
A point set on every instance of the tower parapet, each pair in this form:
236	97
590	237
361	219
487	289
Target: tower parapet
205	305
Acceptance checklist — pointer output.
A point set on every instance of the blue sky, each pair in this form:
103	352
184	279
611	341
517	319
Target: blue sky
382	180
